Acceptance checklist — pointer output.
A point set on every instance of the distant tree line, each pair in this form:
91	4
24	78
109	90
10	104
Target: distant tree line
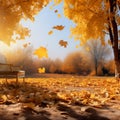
92	61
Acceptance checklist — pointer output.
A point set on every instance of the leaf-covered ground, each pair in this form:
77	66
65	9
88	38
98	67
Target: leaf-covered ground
59	97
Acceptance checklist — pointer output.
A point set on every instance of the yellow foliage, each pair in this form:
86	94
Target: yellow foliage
11	13
89	16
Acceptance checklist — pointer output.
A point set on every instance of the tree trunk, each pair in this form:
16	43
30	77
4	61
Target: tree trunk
117	69
96	70
113	30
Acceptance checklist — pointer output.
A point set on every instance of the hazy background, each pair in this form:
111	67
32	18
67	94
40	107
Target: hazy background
91	59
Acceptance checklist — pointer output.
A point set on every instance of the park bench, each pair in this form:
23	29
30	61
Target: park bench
10	71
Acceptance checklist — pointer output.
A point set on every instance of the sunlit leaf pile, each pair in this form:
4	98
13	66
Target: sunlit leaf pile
50	90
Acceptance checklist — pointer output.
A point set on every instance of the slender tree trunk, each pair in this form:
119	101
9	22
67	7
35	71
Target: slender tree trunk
113	30
117	69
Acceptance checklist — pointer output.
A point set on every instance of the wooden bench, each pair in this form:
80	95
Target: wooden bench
10	71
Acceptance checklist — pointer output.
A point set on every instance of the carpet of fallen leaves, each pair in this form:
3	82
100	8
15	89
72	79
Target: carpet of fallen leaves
47	91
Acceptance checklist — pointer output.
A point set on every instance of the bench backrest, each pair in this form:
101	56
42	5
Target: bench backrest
9	67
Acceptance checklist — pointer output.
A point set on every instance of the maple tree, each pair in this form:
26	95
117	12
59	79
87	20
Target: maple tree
94	19
12	11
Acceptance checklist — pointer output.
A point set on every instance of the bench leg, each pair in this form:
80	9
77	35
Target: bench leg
16	79
6	80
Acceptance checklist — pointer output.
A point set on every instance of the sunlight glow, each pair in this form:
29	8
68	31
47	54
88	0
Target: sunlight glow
3	47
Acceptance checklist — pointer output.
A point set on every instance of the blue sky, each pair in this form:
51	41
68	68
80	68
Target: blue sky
43	23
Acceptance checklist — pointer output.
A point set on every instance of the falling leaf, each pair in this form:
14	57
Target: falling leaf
63	43
25	45
51	7
56	11
59	15
50	32
41	52
77	46
58	27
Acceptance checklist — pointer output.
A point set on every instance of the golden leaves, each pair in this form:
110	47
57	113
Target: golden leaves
88	91
41	52
57	2
59	15
58	27
63	43
12	12
26	45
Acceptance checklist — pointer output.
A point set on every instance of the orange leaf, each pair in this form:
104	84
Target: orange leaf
25	45
58	27
63	43
50	32
56	11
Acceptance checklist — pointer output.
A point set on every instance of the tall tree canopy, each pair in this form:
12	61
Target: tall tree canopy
95	18
12	11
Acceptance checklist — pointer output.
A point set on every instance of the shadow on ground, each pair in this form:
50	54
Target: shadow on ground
47	105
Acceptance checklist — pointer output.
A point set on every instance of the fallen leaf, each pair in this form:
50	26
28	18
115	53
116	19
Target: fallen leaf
41	70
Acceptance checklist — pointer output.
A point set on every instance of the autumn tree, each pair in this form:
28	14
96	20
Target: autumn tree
20	56
11	13
97	52
76	62
94	19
